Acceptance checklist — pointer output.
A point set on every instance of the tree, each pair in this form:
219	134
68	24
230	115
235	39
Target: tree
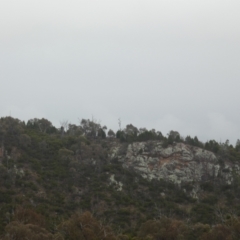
213	146
173	136
41	124
18	231
90	128
111	133
131	132
219	232
24	140
189	140
145	135
163	229
101	133
237	146
27	224
121	135
10	130
74	130
193	141
198	230
85	227
64	126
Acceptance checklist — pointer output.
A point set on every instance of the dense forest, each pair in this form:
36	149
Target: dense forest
55	183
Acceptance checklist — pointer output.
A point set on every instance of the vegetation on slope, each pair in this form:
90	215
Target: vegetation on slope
53	181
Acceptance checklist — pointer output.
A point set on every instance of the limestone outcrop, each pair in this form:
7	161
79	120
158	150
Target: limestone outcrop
178	163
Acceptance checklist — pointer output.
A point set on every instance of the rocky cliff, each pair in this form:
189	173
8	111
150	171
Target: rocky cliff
179	163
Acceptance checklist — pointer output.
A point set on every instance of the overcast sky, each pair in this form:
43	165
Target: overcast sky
163	64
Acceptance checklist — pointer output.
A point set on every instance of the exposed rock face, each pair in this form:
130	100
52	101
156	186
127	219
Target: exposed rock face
177	163
118	185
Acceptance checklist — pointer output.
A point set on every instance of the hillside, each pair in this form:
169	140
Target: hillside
87	182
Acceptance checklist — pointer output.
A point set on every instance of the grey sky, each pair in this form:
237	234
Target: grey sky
168	65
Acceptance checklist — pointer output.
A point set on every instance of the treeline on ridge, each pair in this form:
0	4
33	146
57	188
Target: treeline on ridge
54	184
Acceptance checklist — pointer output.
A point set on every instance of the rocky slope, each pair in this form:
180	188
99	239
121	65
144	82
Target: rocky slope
179	163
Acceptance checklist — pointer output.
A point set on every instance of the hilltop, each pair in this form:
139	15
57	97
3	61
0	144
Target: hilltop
132	184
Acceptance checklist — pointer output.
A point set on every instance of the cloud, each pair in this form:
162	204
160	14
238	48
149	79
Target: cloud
168	65
221	128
